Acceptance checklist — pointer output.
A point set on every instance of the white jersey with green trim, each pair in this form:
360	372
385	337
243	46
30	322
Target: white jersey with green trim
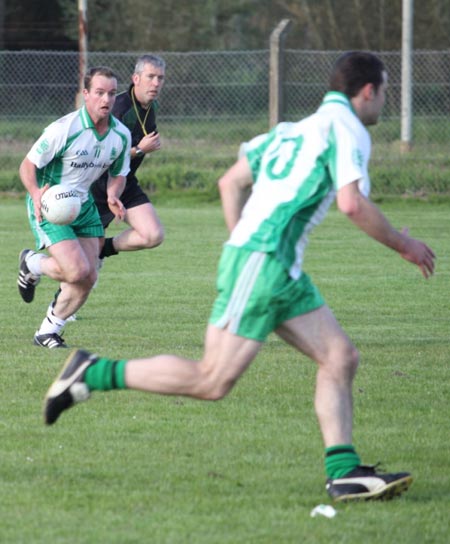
71	151
297	169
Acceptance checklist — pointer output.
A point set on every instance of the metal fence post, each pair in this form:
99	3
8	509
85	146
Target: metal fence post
82	50
406	106
276	72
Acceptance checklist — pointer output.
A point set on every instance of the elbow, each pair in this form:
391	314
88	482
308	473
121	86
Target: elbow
350	209
351	203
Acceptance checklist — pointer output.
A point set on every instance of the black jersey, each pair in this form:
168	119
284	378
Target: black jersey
133	195
125	110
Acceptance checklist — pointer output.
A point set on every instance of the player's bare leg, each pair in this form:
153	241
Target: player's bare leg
319	336
146	229
225	359
73	263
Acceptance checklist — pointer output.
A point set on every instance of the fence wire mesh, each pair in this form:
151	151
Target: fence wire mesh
215	97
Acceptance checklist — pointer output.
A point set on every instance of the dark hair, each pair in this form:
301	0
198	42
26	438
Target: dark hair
355	69
95	71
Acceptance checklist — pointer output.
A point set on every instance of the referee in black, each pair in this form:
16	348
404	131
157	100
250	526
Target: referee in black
136	108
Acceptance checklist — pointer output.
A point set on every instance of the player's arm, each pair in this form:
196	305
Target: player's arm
234	188
27	172
114	190
117	179
366	215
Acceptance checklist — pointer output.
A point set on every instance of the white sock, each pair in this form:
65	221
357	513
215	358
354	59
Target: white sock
51	324
34	263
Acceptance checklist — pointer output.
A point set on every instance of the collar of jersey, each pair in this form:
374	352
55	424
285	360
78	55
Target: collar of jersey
87	121
336	97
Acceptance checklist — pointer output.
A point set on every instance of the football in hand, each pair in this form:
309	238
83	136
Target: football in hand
60	204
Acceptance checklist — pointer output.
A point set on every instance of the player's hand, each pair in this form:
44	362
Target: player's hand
117	208
418	253
151	142
36	197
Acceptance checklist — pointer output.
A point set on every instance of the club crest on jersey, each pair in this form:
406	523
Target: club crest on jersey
358	157
43	146
97	151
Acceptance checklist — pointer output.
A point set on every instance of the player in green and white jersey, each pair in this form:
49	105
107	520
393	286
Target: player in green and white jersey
74	150
272	197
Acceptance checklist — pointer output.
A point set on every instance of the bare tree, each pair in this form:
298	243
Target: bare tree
173	25
2	24
301	13
359	24
334	30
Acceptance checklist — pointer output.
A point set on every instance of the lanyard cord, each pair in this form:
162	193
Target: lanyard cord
142	123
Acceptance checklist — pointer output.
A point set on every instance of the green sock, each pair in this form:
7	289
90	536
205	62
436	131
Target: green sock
106	374
340	459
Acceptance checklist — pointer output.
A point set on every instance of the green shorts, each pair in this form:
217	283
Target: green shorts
256	294
86	225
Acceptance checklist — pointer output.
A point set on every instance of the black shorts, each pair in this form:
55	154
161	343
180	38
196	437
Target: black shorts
132	196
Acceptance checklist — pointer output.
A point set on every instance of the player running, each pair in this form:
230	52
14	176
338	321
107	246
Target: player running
76	150
293	174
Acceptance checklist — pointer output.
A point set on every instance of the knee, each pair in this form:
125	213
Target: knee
342	360
154	238
77	274
81	274
352	359
217	391
349	361
212	387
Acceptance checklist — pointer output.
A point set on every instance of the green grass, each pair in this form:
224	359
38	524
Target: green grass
195	153
128	467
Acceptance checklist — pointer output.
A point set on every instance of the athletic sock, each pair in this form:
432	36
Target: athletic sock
339	460
51	324
108	248
34	263
106	374
56	295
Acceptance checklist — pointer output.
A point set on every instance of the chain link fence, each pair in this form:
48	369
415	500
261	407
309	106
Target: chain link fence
212	101
306	80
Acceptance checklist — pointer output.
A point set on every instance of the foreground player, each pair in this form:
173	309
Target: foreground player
294	173
74	150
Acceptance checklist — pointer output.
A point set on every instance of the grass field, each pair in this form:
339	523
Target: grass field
195	154
133	468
